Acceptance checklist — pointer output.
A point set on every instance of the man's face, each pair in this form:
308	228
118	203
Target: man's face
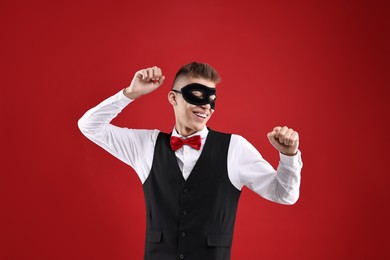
190	118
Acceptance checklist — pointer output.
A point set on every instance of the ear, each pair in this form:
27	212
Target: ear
172	98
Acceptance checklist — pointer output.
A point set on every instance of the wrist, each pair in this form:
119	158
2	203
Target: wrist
289	154
129	94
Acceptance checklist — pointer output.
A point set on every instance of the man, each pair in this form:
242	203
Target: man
192	178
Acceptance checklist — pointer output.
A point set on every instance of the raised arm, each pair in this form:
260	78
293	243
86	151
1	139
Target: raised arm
131	146
249	168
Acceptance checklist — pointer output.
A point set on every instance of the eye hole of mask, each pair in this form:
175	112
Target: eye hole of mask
198	94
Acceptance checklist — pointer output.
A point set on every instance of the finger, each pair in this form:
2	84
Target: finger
282	133
161	80
272	139
271	135
141	74
149	72
277	130
156	73
287	137
294	138
159	72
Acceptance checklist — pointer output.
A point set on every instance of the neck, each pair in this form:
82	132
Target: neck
183	131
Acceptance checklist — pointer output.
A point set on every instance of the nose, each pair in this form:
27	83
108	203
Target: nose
206	106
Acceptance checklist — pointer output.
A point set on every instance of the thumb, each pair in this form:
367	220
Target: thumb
272	138
161	80
158	82
271	135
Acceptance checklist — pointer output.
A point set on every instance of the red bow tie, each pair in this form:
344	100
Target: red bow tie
194	142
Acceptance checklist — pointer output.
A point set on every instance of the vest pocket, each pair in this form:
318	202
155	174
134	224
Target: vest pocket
153	236
219	240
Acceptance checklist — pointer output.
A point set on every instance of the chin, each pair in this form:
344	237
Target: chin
200	128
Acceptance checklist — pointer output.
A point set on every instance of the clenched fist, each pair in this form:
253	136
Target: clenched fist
144	82
284	139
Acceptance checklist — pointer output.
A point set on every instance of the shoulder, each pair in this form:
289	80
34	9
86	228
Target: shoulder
238	140
240	145
163	137
142	135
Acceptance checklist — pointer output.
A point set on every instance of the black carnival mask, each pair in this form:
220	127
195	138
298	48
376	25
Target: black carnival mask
198	94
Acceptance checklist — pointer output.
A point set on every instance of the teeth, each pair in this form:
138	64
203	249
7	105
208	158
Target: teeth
201	115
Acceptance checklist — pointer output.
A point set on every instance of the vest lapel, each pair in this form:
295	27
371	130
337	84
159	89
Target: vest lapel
193	175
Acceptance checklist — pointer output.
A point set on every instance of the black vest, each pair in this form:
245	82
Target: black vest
191	219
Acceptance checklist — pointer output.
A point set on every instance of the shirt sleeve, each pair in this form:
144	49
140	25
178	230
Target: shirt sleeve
132	146
247	167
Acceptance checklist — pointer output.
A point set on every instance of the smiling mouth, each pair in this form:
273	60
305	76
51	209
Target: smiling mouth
200	115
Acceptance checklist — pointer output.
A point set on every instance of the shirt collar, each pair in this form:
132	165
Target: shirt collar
203	133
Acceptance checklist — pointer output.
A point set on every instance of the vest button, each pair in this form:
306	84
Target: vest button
181	256
186	190
184	212
183	234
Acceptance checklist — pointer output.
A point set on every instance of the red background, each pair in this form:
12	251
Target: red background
319	67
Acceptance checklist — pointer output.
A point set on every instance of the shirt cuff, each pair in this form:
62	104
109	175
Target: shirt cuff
291	160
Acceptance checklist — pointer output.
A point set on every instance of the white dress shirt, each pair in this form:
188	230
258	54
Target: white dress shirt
246	166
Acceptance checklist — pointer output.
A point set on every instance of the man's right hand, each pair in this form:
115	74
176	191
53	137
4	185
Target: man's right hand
144	82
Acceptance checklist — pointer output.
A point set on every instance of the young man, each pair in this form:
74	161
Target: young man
192	178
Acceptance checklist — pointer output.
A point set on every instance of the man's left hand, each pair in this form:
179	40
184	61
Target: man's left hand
284	139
